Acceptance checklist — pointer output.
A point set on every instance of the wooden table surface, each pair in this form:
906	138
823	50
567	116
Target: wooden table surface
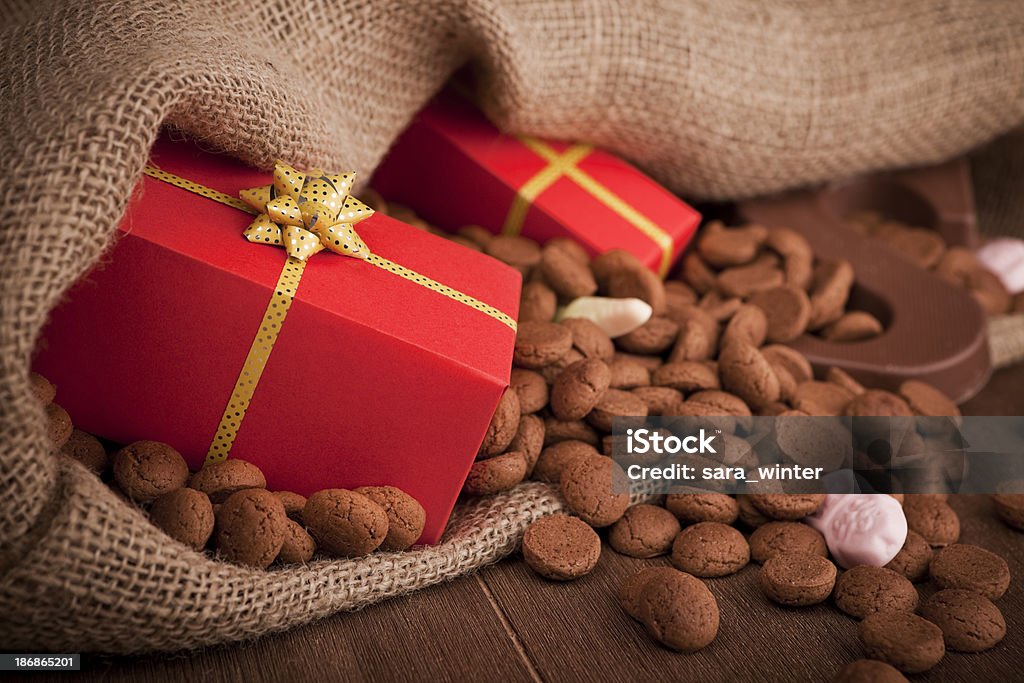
505	623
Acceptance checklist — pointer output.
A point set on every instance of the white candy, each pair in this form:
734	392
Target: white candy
861	528
1005	258
615	316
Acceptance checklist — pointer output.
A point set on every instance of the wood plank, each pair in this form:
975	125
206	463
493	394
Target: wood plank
577	631
449	632
558	632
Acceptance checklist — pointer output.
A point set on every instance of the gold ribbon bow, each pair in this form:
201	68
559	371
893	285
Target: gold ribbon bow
307	212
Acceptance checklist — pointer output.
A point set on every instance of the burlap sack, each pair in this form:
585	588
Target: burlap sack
716	99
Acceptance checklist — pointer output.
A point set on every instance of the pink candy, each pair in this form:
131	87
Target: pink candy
1005	258
861	528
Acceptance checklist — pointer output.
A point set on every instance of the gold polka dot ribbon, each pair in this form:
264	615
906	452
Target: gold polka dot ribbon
566	164
304	213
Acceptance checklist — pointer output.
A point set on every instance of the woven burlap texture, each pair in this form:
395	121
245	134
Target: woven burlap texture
715	99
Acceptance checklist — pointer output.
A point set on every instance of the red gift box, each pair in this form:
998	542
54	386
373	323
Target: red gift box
374	378
454	168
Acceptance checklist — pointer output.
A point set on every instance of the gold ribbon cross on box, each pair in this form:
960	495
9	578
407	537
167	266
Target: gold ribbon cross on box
567	164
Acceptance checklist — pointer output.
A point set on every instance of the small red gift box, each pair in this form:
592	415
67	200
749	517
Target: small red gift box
454	168
382	372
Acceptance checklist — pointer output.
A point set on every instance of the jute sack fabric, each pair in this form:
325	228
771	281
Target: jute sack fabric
716	99
998	173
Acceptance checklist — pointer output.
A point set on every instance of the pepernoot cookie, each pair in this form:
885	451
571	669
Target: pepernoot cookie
493	475
709	549
821	398
86	449
905	640
293	503
697	338
934	519
794	361
797	579
503	425
746	373
557	457
749	514
798	257
686	376
551	372
969	621
745	281
1010	508
723	402
537	303
638	283
556	430
913	559
659	400
251	527
42	388
691	508
518	252
649	363
921	246
298	546
539	344
146	470
606	264
566	273
406	517
561	547
186	515
644	531
786	506
830	290
869	671
530	389
842	378
579	388
595	488
973	568
696	273
529	440
60	425
589	339
720	307
989	291
864	590
571	247
776	538
679	611
632	590
926	400
678	296
615	403
628	373
219	480
747	324
877	403
345	523
853	327
653	337
787	311
723	247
